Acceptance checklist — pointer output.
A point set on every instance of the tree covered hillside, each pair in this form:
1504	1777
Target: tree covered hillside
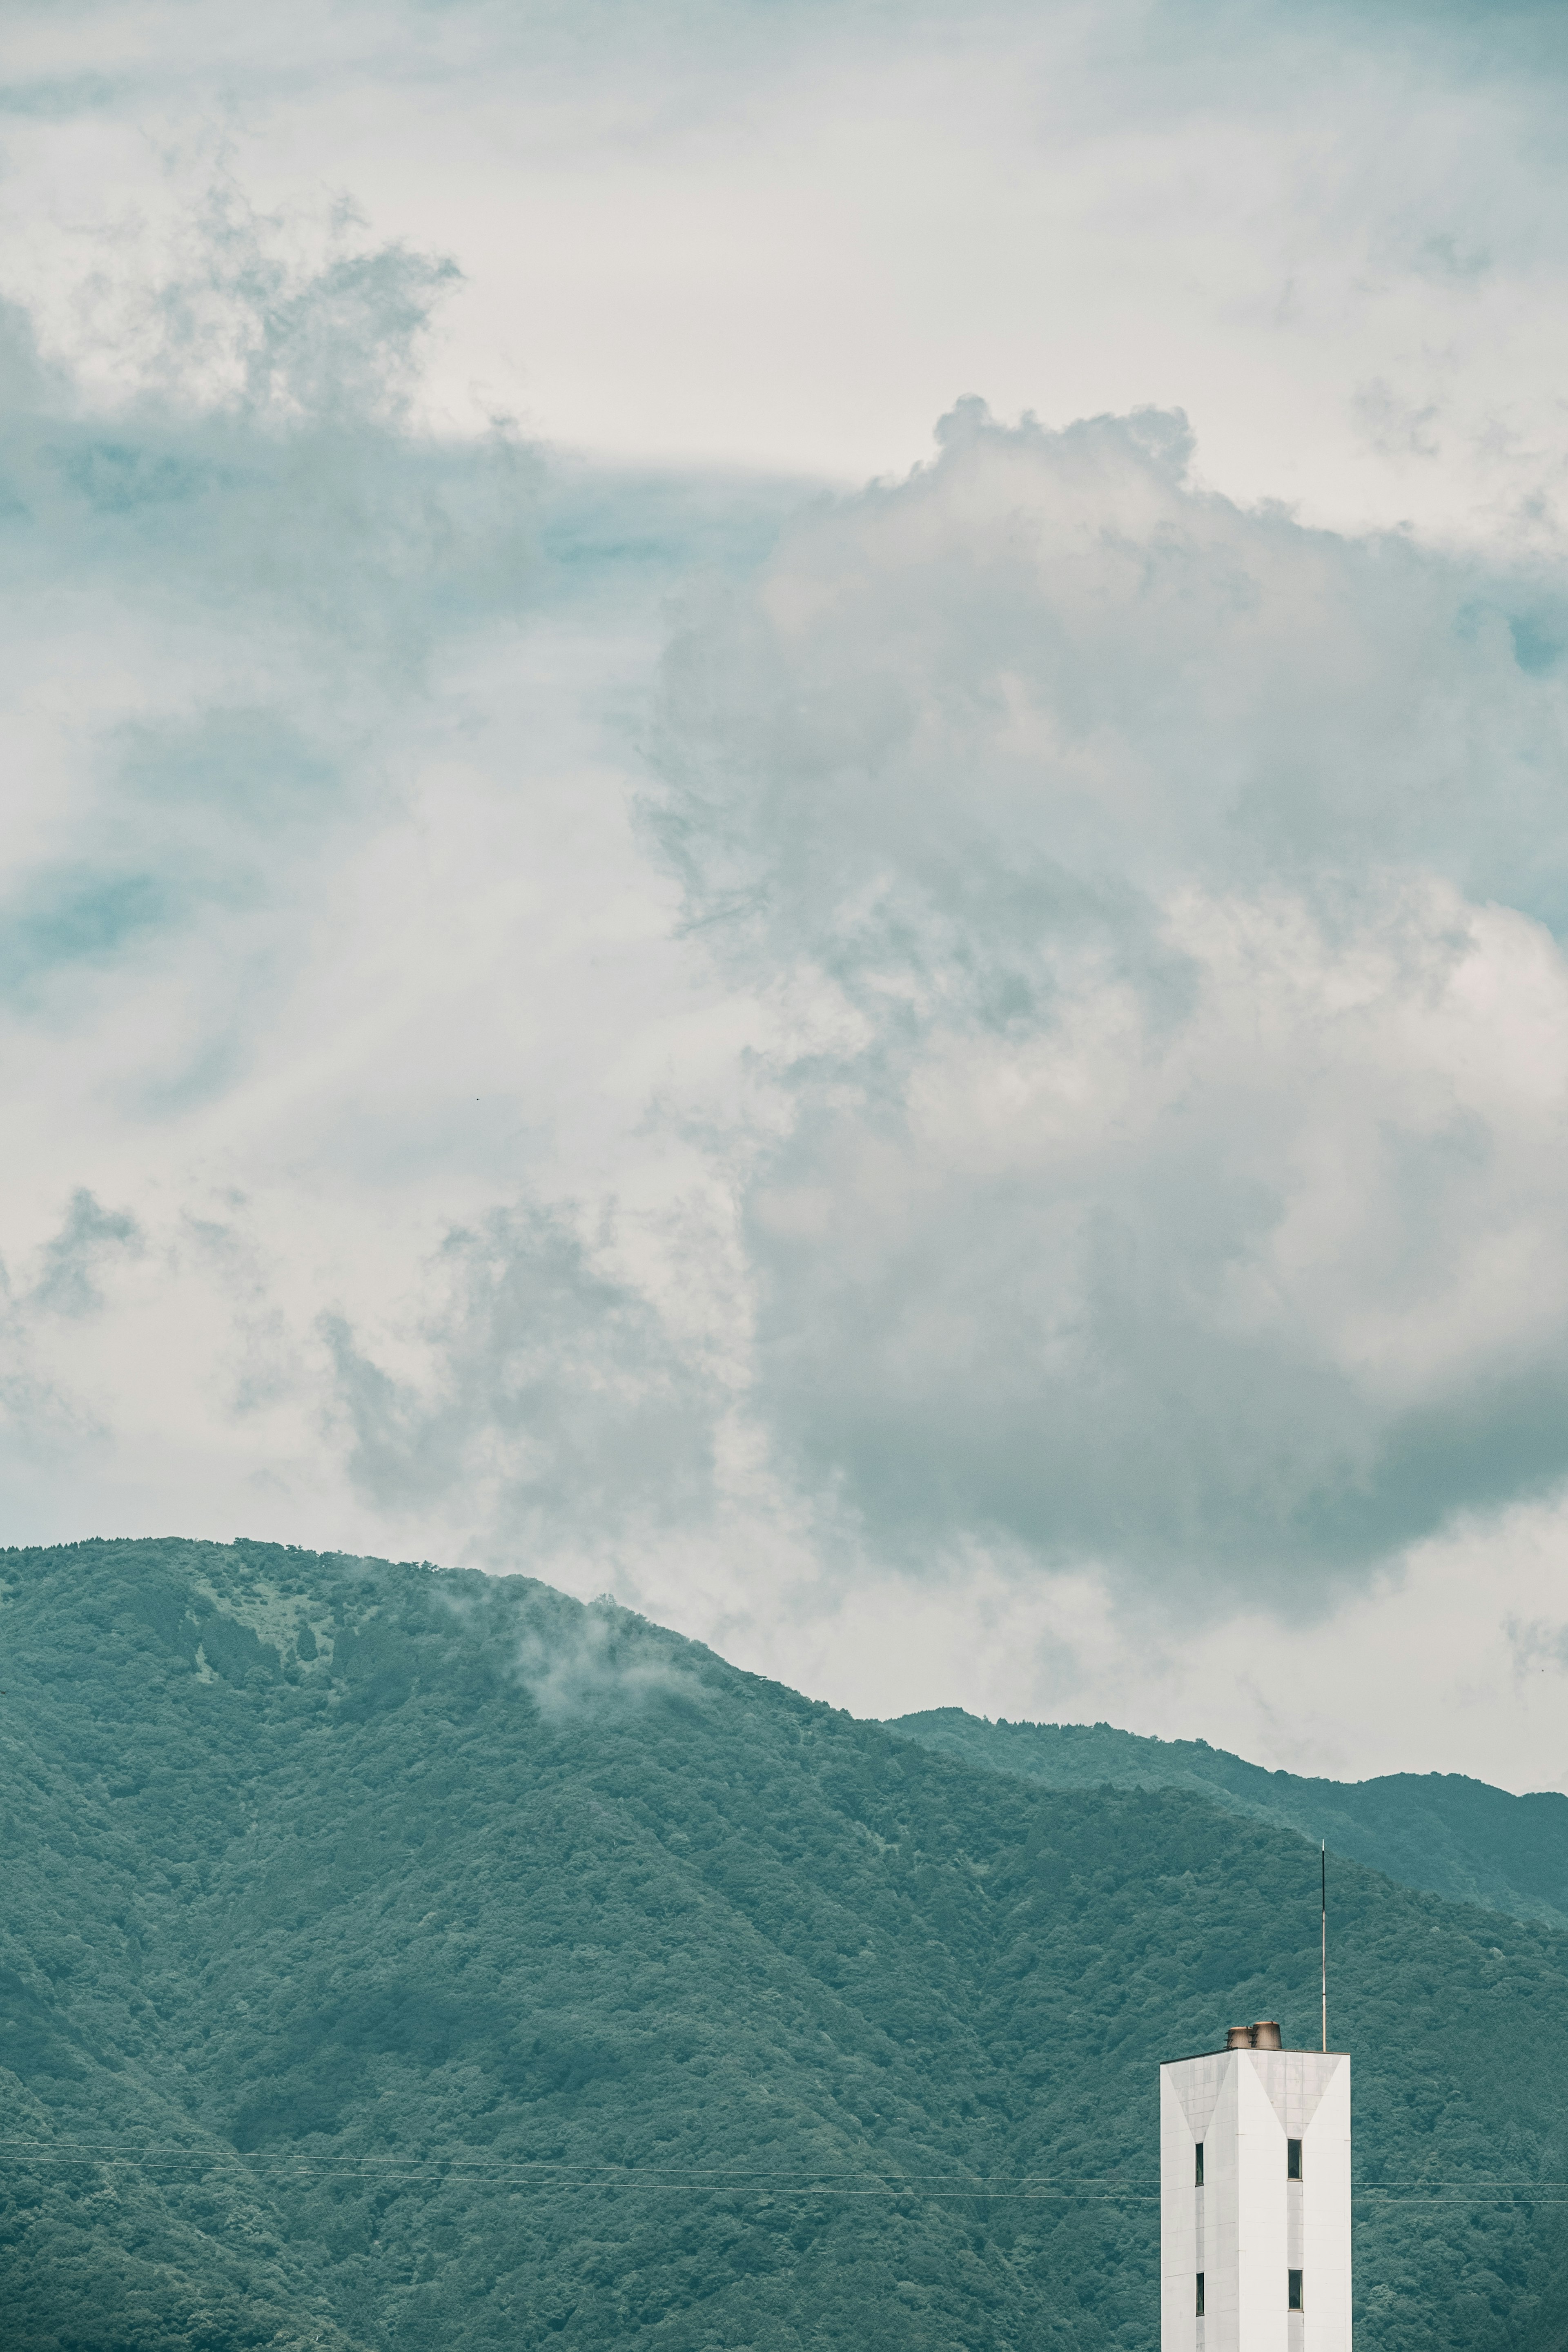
400	1959
1437	1830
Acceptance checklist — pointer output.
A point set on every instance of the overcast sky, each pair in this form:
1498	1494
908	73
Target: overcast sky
786	827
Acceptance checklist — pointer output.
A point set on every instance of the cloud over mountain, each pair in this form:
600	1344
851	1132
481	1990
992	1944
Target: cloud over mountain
1176	887
954	1085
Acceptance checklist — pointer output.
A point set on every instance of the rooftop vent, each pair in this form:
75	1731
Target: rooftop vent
1264	2035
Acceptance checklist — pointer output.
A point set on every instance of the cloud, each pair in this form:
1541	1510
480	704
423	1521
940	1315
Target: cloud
1392	425
48	1429
340	344
1174	1191
197	813
1049	676
1092	1115
549	1404
91	1237
252	457
283	318
75	916
1536	1644
228	588
597	1660
319	830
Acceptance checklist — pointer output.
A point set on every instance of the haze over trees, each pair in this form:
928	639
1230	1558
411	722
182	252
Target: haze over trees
399	1959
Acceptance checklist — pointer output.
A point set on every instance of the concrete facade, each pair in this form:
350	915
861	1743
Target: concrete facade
1249	2225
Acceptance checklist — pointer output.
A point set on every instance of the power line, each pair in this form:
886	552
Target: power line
1088	2189
605	2176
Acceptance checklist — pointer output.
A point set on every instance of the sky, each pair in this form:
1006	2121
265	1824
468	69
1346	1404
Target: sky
785	829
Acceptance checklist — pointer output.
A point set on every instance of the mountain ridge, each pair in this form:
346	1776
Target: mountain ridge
401	1959
1442	1831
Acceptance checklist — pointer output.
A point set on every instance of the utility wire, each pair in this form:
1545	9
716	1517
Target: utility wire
1090	2188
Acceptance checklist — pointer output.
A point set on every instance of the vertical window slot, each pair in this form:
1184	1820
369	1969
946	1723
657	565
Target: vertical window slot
1198	2172
1293	2291
1293	2159
1201	2293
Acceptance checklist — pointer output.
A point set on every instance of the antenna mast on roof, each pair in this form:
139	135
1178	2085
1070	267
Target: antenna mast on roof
1324	1860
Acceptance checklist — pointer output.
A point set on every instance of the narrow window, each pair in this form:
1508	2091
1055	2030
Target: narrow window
1293	2159
1293	2291
1198	2175
1200	2294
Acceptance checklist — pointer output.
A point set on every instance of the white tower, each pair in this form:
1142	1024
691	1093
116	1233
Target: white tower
1255	2199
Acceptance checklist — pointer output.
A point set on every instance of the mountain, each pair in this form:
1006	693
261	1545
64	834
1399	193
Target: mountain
394	1959
1436	1830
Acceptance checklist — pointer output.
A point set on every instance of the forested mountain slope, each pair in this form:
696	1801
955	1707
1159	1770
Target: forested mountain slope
1437	1830
398	1959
